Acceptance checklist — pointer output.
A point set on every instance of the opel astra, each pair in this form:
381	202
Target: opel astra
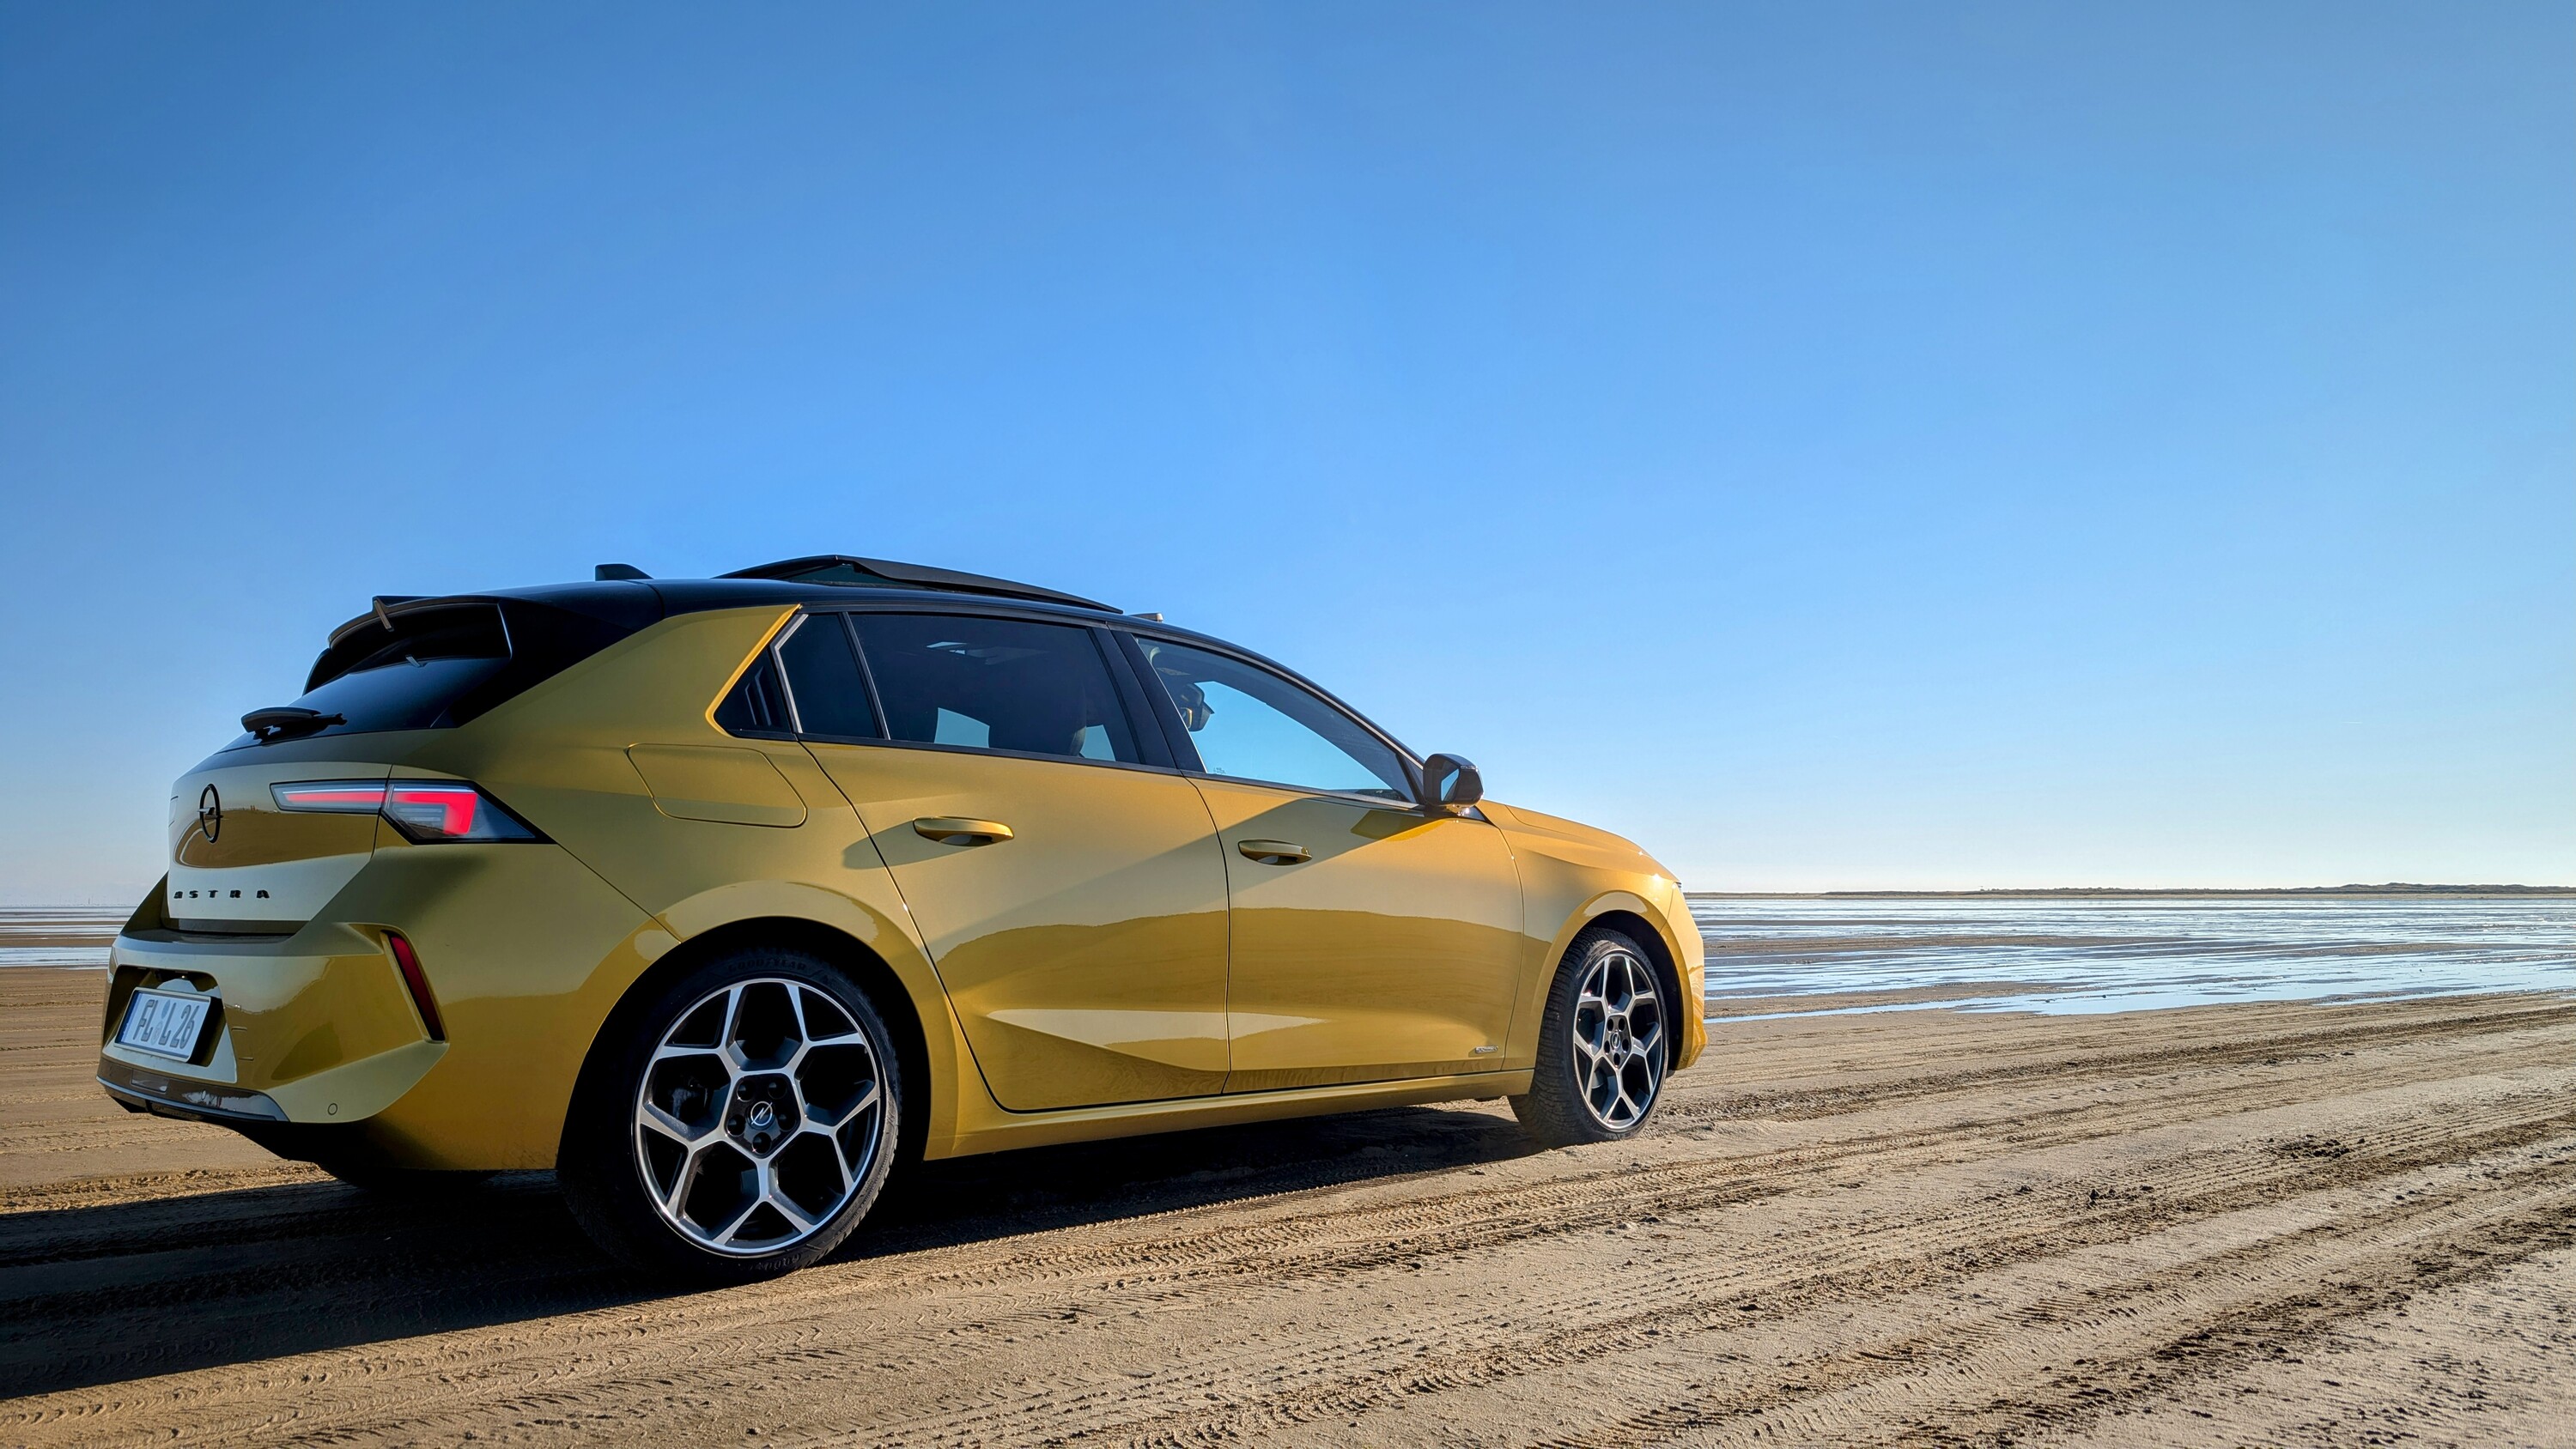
724	898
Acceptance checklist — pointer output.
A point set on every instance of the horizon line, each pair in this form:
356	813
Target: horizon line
2390	888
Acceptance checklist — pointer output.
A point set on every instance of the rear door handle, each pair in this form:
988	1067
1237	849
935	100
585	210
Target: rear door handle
952	830
1272	852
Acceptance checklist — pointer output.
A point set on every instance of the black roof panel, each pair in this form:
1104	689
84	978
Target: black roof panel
848	571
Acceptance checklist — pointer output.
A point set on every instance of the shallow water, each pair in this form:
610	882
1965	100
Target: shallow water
2056	954
1772	956
58	935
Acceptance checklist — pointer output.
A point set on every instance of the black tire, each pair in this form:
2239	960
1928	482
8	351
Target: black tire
1602	1056
620	1164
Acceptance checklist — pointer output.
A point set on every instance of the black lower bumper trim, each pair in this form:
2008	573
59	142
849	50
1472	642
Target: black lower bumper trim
180	1097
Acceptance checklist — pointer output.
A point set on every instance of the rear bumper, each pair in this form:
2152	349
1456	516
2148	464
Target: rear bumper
522	947
316	1026
138	1089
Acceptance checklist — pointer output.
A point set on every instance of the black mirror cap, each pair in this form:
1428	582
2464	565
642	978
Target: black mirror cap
1450	783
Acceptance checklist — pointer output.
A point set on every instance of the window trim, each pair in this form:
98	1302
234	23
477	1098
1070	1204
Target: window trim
766	654
1136	696
1139	678
787	685
778	665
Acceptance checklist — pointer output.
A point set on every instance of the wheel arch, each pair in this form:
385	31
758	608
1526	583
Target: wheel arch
1633	915
1641	928
928	1102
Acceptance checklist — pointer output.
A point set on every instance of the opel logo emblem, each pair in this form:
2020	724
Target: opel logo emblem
210	814
762	1115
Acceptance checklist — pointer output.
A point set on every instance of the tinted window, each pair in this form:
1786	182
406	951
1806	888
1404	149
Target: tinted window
448	663
996	684
756	706
1253	725
410	676
823	678
470	631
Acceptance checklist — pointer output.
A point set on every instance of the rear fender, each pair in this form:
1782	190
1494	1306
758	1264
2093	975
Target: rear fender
750	905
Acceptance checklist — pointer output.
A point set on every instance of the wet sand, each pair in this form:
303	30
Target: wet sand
2262	1223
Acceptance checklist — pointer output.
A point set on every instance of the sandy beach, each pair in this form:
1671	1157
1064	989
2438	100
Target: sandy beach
2267	1223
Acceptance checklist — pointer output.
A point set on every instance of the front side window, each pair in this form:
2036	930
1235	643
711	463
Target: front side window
1250	724
995	684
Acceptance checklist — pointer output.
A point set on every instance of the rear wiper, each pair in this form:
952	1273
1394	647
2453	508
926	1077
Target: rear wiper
286	721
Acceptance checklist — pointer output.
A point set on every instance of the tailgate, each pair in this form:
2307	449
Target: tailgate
240	864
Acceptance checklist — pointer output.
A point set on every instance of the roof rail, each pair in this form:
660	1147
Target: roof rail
841	568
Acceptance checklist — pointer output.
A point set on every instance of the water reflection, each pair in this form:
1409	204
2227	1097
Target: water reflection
59	935
1774	956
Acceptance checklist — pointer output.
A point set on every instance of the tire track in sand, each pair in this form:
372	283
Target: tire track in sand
1414	1301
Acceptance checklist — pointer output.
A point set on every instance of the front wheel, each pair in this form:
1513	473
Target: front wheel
739	1124
1603	1045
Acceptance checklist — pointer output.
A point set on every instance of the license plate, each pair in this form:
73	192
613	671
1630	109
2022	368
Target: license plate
165	1023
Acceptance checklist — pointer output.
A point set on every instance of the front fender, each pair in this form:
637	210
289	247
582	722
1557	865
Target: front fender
1663	914
1669	920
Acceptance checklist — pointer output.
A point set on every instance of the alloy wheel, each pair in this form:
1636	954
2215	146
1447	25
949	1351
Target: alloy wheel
1618	1039
759	1115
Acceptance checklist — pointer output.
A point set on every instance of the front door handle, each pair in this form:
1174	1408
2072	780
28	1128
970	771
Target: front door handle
1272	852
951	830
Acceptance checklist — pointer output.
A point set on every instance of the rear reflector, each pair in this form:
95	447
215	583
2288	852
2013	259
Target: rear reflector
407	961
425	811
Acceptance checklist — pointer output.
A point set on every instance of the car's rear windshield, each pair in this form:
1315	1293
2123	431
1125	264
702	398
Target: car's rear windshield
431	668
414	675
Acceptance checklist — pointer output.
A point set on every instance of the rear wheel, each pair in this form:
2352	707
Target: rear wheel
739	1124
1603	1045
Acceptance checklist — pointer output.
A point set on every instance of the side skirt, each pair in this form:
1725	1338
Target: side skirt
1138	1119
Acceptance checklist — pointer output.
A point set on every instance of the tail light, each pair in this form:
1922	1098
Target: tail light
425	811
407	961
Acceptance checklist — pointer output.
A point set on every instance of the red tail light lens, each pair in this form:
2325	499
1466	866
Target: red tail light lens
338	797
425	811
429	810
407	961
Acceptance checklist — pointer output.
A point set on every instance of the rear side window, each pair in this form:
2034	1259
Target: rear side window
995	684
757	705
823	680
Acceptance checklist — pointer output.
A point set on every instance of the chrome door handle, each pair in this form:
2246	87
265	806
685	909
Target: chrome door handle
952	830
1271	852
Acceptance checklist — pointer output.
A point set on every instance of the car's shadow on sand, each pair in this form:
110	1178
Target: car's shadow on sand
98	1295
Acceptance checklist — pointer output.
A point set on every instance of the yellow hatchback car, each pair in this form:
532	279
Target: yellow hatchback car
724	897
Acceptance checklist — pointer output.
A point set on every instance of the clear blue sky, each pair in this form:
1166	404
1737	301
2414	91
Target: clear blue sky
1838	445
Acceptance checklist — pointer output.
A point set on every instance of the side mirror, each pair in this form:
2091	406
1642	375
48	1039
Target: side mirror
1450	784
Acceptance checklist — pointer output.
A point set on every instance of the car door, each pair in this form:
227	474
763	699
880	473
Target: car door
1370	941
1069	891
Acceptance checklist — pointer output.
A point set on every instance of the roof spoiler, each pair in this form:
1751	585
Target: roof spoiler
841	568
